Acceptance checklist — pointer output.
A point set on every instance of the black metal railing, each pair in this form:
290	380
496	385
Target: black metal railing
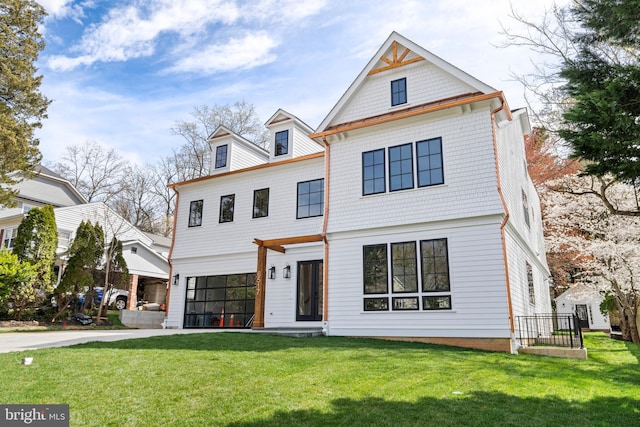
562	330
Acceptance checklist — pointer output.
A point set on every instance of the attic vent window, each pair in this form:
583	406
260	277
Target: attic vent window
399	92
134	250
282	143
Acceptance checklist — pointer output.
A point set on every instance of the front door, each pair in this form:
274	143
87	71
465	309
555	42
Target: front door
309	301
583	315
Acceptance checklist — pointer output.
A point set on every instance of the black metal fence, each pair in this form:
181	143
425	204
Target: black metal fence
562	330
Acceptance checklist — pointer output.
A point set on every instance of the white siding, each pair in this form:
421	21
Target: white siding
478	287
470	187
425	83
215	238
144	262
242	156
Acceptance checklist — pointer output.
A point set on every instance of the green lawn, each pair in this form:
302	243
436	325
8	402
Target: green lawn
237	379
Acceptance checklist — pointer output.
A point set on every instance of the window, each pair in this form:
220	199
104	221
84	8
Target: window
226	208
373	175
435	290
8	237
532	291
400	167
399	91
134	250
310	198
221	156
282	143
429	154
195	213
403	267
525	208
261	203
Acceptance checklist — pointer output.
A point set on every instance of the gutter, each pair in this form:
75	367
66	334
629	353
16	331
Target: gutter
325	264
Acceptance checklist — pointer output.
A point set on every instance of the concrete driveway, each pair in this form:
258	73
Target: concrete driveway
22	341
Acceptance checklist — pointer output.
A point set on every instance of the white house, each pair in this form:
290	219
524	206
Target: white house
407	214
584	301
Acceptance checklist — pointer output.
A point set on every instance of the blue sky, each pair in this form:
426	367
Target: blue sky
121	73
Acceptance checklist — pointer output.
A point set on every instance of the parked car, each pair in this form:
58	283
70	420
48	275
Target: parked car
115	297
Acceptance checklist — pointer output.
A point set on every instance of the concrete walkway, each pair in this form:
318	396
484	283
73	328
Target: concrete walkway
22	341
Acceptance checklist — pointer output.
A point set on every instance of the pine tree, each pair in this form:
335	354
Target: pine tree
22	106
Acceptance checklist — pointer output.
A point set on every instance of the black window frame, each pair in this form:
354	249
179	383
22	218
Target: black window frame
402	163
376	271
260	212
401	271
195	213
226	212
280	142
399	91
221	159
370	170
438	273
308	204
421	167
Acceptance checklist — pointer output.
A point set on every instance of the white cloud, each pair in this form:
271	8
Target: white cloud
248	52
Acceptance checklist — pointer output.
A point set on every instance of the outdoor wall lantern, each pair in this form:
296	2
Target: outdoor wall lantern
176	279
286	272
272	272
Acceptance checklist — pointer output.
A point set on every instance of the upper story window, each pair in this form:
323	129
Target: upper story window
221	156
261	203
525	208
8	236
373	175
282	143
310	198
195	213
226	208
401	167
399	91
429	154
532	290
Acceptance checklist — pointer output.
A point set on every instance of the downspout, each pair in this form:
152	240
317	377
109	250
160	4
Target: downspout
325	264
506	217
173	239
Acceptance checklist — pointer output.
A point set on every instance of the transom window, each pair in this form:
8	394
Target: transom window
401	167
282	143
195	213
221	156
399	91
373	175
429	154
226	208
310	198
433	270
261	203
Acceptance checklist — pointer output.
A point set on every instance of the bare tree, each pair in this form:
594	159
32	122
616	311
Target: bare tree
97	173
137	202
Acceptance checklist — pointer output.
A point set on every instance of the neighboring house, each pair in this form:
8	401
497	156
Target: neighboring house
408	214
146	254
584	301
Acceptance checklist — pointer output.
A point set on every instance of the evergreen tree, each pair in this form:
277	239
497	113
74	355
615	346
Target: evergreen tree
22	106
603	124
13	272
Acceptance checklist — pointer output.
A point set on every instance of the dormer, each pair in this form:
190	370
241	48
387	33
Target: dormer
230	151
289	137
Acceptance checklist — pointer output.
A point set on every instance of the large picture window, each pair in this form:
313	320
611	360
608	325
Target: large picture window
429	154
261	203
373	175
282	143
405	294
195	213
401	167
220	301
226	208
310	199
221	156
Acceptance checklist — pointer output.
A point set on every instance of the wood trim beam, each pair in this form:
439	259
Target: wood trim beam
395	65
274	243
261	281
411	112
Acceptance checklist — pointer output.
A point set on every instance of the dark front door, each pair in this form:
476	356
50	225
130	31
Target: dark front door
583	315
309	301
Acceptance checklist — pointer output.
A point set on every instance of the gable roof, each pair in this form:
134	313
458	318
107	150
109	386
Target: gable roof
282	115
49	188
224	132
397	51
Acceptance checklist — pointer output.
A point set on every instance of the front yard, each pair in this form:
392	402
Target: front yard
238	379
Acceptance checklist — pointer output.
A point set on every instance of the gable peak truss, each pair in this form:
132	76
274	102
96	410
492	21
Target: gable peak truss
396	61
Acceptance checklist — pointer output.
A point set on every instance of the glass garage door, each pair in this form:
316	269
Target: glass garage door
220	301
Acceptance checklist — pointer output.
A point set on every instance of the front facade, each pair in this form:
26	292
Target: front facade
408	214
